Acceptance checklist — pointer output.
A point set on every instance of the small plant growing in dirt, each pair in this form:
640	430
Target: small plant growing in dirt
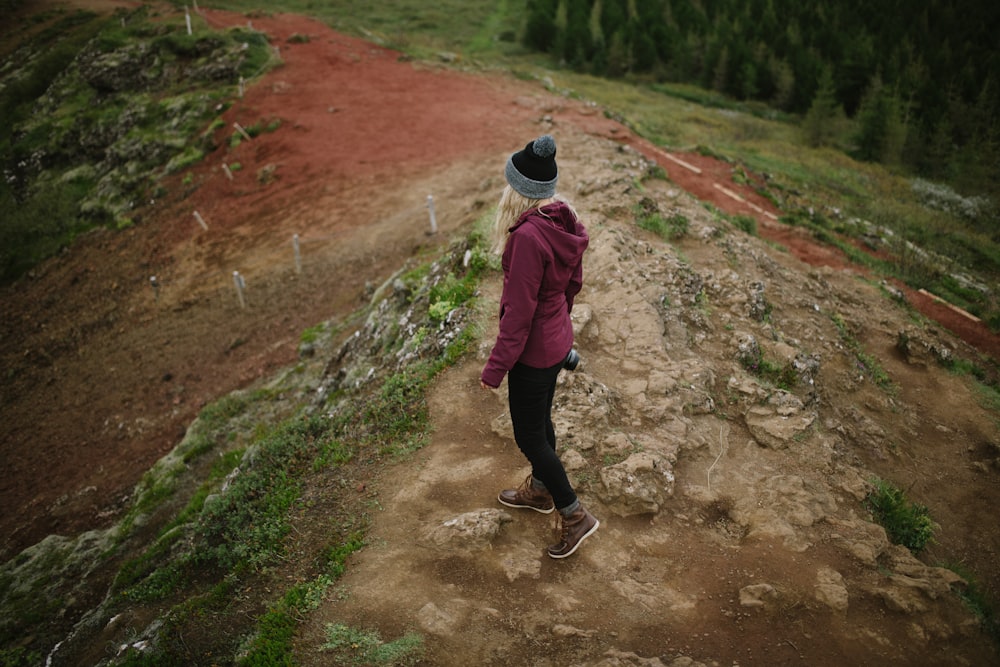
978	601
866	364
648	216
365	647
669	228
907	523
449	294
781	376
745	223
312	334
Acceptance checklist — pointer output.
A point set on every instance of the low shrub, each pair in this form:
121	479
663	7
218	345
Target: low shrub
906	523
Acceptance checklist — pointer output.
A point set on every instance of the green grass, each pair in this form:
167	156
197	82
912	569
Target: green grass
414	25
245	527
669	228
782	376
744	223
824	181
864	363
978	601
905	522
350	646
272	641
221	542
450	293
133	136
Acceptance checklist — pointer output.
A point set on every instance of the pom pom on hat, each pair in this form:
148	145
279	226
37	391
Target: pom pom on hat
544	146
533	171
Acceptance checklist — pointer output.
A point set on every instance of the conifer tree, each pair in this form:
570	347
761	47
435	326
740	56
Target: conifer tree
720	73
940	150
538	30
784	82
873	122
820	123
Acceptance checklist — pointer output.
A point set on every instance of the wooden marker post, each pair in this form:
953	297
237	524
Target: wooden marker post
239	128
430	207
298	253
241	286
201	220
187	18
229	173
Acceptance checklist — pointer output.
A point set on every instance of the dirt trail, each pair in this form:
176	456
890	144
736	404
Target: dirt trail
669	584
103	378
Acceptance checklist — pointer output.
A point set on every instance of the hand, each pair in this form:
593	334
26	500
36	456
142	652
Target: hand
485	386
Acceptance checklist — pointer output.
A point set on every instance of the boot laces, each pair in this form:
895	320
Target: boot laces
526	486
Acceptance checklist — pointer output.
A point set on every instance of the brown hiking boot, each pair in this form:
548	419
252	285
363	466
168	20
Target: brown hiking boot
528	497
575	528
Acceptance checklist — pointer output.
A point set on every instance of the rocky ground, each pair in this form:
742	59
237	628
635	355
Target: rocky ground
733	530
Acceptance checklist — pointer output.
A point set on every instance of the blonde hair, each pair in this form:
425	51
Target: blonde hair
513	205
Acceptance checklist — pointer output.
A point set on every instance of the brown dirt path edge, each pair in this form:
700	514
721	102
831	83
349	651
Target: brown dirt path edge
102	379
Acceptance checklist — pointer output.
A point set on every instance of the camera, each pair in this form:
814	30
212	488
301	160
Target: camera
572	360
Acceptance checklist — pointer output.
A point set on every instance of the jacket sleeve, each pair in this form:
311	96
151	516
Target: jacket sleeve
522	281
574	286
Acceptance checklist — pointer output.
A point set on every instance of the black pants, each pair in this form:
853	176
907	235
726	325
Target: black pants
530	394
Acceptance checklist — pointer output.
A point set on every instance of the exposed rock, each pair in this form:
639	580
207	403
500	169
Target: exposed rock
920	348
780	421
864	540
121	70
638	485
652	596
525	561
468	531
782	505
560	630
757	595
830	589
442	622
912	584
616	658
758	307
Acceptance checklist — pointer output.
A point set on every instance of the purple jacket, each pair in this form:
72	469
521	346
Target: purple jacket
542	273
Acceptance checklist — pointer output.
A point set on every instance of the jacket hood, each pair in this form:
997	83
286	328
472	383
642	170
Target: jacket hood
560	227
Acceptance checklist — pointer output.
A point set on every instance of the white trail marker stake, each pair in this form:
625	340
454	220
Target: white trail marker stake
430	207
229	173
242	87
239	128
201	220
155	284
187	18
241	285
298	253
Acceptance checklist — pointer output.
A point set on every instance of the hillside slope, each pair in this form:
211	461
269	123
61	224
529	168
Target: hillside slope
733	528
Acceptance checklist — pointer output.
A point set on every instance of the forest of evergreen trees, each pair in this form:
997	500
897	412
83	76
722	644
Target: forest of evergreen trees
920	78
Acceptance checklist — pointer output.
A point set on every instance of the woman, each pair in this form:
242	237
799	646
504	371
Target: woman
543	244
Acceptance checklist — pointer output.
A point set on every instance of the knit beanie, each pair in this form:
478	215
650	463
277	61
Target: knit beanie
533	171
